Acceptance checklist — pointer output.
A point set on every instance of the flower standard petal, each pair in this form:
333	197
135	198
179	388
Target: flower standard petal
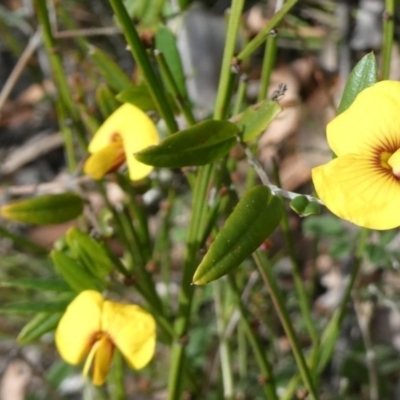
141	134
356	189
78	326
137	132
132	330
370	123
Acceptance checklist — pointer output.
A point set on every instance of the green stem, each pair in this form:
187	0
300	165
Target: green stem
67	104
199	215
332	330
224	353
139	53
262	35
193	243
226	78
298	282
268	277
166	73
388	31
240	94
258	349
268	64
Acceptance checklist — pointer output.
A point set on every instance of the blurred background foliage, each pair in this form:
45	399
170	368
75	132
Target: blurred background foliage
317	45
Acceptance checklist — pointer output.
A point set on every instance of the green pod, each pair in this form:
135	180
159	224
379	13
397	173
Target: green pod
76	275
363	75
254	218
298	204
109	70
39	325
304	207
44	210
89	253
255	120
200	144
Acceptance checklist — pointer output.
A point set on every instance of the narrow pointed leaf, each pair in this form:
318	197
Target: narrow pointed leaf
111	72
363	75
166	43
254	218
254	121
76	275
39	325
42	284
44	210
35	307
199	145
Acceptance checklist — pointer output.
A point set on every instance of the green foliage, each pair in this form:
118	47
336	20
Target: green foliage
155	242
200	144
363	75
254	218
44	210
255	120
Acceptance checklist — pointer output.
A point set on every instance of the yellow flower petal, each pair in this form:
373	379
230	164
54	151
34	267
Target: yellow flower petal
106	160
356	189
137	132
76	330
370	123
132	330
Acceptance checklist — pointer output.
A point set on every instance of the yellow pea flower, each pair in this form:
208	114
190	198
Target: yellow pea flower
362	184
126	131
93	327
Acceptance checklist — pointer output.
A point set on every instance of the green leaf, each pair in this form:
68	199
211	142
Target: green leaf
36	307
106	102
77	277
39	325
255	120
89	253
254	218
363	75
110	71
139	96
147	12
42	284
198	145
44	210
166	43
